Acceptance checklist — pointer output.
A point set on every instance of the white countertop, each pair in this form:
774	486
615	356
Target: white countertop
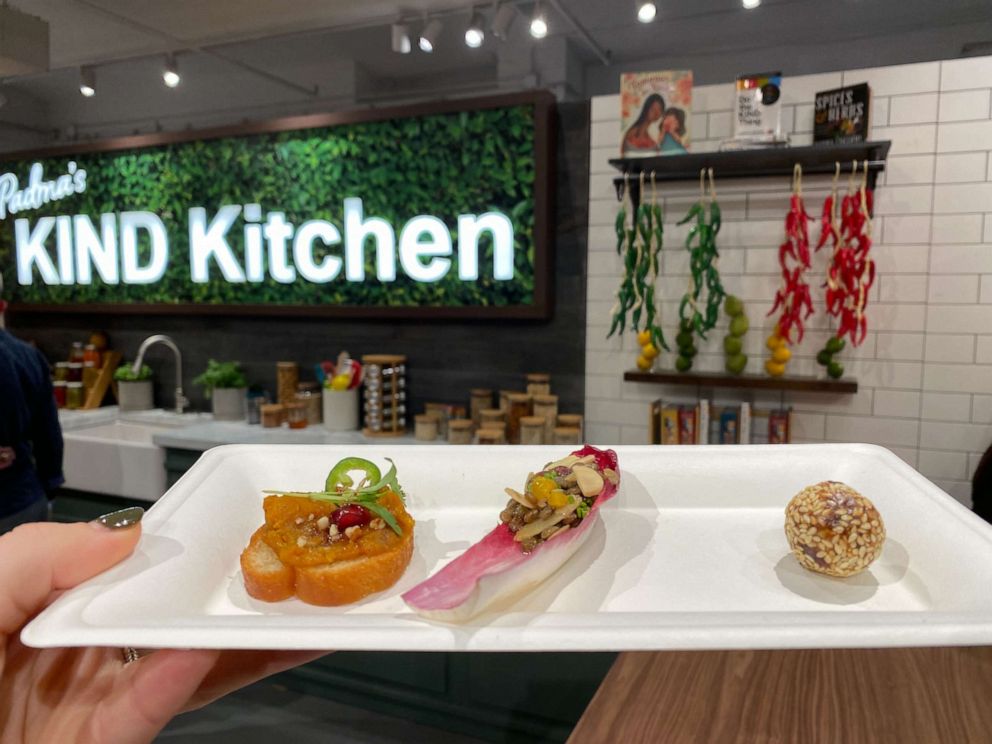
204	435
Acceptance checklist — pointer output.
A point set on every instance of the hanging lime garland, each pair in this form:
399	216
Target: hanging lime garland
700	306
640	245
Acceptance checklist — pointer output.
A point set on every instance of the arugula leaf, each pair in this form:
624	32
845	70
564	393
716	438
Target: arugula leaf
382	512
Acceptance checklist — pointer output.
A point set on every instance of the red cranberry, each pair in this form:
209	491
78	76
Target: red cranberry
351	515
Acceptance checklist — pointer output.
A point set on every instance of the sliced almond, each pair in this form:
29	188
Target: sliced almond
590	482
565	462
520	498
540	525
611	476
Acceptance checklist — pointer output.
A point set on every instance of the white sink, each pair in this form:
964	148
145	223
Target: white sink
118	457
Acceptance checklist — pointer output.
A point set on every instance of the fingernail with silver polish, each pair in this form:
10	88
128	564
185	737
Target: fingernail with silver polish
121	519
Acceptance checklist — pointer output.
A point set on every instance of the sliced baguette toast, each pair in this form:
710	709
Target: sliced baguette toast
342	582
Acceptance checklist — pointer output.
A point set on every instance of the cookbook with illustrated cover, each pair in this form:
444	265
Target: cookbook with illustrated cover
842	115
655	109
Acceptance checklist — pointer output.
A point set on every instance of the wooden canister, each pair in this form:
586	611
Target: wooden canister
532	430
479	400
287	378
492	418
504	398
546	406
518	407
567	435
460	431
491	436
572	420
425	427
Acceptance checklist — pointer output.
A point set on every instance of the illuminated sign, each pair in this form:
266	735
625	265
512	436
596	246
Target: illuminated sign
407	215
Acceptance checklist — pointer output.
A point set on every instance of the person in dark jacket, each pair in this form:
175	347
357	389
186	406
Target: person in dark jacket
30	436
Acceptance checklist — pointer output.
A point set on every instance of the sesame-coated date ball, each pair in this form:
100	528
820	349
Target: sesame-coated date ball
833	529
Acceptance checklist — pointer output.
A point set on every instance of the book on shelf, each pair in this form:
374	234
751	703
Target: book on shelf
687	425
744	425
758	110
842	115
655	113
704	423
729	432
779	429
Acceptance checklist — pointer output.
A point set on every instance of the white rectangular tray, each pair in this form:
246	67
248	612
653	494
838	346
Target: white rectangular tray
690	555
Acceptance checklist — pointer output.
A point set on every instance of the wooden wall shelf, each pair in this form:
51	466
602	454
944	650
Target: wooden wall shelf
753	382
768	161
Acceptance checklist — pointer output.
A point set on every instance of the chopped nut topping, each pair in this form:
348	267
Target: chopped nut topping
352	533
301	542
299	520
333	530
323	523
377	523
309	517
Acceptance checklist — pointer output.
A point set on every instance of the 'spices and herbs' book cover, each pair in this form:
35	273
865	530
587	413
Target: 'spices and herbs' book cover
842	115
655	110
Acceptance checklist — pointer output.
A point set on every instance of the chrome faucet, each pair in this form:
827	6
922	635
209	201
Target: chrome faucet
181	401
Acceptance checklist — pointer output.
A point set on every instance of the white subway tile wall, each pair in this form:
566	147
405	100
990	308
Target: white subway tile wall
925	370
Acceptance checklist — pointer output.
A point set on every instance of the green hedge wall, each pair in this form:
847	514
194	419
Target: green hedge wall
443	165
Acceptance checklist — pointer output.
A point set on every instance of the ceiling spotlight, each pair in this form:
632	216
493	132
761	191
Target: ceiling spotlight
170	74
474	35
647	11
87	82
401	38
505	15
538	22
750	4
428	37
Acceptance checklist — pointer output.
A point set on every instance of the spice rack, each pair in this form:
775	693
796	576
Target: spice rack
385	395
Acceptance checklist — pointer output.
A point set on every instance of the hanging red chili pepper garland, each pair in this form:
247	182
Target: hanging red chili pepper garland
793	297
851	271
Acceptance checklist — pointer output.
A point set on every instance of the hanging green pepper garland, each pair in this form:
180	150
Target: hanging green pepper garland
640	245
704	276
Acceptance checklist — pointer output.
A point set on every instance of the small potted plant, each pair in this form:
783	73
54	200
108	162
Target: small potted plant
134	389
226	385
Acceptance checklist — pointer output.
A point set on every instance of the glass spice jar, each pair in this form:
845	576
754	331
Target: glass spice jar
519	406
74	395
91	357
460	431
425	427
311	401
75	372
492	418
61	372
567	435
479	399
532	430
572	420
287	378
59	389
77	352
491	436
296	415
546	406
538	383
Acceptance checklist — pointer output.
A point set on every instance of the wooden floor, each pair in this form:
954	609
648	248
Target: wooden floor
928	695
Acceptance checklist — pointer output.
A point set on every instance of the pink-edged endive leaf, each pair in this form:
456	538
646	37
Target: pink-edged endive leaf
496	567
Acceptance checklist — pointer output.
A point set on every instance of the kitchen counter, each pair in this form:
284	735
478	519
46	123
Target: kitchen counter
202	436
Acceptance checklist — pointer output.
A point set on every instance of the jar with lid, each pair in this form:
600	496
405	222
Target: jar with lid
546	406
308	393
91	357
518	407
425	427
492	418
59	389
538	383
491	436
74	395
61	372
573	420
567	435
287	378
296	415
75	372
479	400
532	430
77	352
460	431
271	415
